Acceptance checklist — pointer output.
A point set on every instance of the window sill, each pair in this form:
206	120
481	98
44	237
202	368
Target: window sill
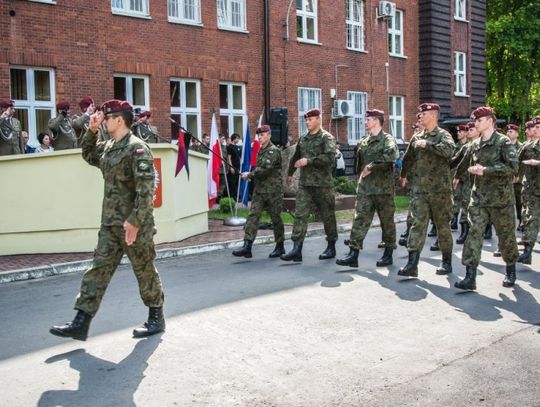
233	29
52	2
308	42
463	20
185	22
461	95
134	15
361	51
400	56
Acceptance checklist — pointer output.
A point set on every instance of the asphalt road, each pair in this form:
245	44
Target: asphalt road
264	332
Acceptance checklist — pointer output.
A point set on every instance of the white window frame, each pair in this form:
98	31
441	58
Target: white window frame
183	110
122	7
308	98
306	15
460	10
394	33
231	112
31	104
355	28
129	89
460	73
356	123
44	1
225	10
176	11
393	117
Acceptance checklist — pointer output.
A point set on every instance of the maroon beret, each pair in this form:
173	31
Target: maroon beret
418	115
428	107
536	120
374	113
463	127
116	106
263	129
62	105
85	102
312	113
5	103
529	124
146	113
511	126
470	125
483	111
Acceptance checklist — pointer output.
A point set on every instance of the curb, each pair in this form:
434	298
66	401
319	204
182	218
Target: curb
81	265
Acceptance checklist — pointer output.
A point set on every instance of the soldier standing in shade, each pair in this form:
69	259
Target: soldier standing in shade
144	130
268	195
493	163
376	156
529	157
427	164
81	120
63	133
314	156
127	221
11	141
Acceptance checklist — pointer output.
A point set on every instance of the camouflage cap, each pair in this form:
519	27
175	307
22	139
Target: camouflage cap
428	107
483	111
85	102
312	113
116	106
263	129
62	105
5	103
511	126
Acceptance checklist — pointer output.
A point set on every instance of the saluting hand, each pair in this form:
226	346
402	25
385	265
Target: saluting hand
130	233
95	121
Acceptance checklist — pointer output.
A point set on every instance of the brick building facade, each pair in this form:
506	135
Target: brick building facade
238	58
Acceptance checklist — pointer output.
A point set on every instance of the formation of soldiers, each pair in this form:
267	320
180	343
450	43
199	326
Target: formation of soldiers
485	179
66	131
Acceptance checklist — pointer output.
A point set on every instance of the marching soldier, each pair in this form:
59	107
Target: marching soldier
376	156
267	195
493	163
144	130
127	221
63	134
314	157
11	141
462	133
427	164
512	132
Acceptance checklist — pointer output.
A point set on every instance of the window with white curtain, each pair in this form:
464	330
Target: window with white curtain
460	10
356	124
185	97
396	116
136	8
184	11
355	24
231	14
460	74
133	88
306	20
395	34
308	98
232	108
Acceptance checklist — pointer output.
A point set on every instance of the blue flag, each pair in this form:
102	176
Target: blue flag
245	166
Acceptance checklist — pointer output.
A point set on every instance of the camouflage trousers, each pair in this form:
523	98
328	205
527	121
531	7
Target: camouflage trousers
531	220
464	200
110	249
366	206
526	195
439	207
272	203
517	195
320	198
457	199
505	224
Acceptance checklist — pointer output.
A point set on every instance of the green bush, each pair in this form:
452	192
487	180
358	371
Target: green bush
225	205
345	186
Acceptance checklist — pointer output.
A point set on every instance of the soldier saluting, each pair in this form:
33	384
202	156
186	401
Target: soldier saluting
63	134
11	141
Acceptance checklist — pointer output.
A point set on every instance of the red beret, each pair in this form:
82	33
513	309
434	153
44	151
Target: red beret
536	120
529	124
312	113
146	113
483	111
374	113
85	102
428	107
418	115
263	129
62	105
115	106
512	127
5	103
463	127
470	125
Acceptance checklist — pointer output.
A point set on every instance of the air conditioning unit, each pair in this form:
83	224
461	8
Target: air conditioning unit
342	108
386	9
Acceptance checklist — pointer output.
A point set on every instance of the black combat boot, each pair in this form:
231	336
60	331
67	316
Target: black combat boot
295	254
433	231
464	232
381	245
411	268
350	259
510	278
488	233
435	246
278	250
497	253
526	256
446	264
453	222
330	251
245	251
77	329
469	282
154	325
386	259
404	236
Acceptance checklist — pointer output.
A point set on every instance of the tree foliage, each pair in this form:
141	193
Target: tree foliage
513	58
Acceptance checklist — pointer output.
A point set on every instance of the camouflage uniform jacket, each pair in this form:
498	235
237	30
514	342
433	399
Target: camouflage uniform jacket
428	169
494	188
457	158
146	132
81	122
11	141
267	172
128	171
320	151
531	174
63	133
378	153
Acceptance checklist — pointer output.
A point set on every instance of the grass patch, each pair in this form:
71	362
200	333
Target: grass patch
402	203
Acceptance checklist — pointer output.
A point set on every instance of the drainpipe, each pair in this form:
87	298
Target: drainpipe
267	59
